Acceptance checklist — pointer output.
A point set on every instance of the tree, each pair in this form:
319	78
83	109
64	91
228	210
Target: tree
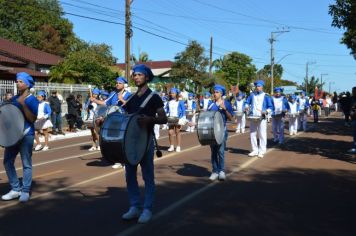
312	83
344	16
37	24
191	64
91	65
142	57
236	68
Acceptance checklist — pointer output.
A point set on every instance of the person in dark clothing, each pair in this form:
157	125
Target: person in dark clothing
353	120
72	112
345	103
56	114
315	105
79	121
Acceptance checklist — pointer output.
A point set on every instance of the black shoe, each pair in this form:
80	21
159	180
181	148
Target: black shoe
60	132
54	133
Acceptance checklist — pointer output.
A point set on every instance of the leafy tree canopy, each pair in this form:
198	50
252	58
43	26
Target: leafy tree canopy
91	65
236	68
191	64
313	82
37	24
344	16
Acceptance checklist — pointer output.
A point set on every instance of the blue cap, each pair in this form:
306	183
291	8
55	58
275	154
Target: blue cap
42	93
141	68
191	95
241	94
104	93
220	89
278	90
207	94
96	91
293	97
304	93
174	90
164	98
26	78
121	80
259	83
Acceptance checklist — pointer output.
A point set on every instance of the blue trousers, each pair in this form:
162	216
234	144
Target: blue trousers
24	147
218	155
56	119
133	190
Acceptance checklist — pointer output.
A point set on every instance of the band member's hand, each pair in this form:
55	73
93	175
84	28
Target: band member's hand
144	120
222	105
92	99
23	96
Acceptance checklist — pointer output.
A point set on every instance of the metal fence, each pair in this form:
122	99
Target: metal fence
63	90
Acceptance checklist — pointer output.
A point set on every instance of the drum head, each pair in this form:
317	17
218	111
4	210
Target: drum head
100	111
136	141
112	109
219	130
11	125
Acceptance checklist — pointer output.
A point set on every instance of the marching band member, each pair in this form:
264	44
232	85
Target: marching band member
239	107
192	107
303	103
92	107
218	151
279	109
206	102
293	109
258	104
116	98
29	107
175	109
152	113
165	101
43	121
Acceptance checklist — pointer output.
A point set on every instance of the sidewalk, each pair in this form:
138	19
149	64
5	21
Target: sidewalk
67	135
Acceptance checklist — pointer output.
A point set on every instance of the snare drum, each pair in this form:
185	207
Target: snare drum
210	128
254	118
12	123
122	140
293	115
277	116
238	113
173	120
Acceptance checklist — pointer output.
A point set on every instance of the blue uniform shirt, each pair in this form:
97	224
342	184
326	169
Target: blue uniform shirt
215	107
32	104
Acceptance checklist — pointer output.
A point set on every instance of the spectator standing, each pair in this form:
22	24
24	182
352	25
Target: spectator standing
353	120
72	112
56	114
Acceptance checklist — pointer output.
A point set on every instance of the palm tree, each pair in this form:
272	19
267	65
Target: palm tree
142	57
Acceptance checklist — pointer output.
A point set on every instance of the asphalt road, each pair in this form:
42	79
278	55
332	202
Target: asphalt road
305	187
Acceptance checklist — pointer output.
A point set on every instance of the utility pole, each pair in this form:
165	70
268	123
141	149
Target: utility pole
321	82
271	41
128	35
306	74
211	57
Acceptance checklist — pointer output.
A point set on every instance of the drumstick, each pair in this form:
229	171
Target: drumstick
90	92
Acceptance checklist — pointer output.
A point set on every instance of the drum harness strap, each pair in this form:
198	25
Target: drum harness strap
148	98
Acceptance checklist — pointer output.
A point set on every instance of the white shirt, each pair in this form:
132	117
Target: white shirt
258	104
173	108
278	105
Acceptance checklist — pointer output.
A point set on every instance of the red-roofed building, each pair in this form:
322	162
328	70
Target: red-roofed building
160	69
15	57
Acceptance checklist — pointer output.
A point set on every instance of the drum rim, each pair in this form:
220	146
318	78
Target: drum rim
22	124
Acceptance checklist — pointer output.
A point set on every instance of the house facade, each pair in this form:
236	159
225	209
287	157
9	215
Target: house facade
15	57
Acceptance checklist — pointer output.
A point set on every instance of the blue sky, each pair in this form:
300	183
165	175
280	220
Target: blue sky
236	25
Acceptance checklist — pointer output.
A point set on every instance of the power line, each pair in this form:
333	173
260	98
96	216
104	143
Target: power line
265	20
